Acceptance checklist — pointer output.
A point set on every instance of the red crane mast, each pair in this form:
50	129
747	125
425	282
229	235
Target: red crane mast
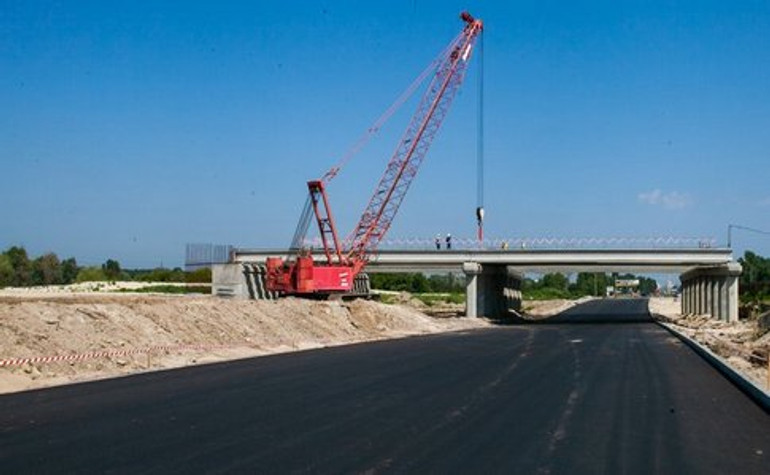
343	264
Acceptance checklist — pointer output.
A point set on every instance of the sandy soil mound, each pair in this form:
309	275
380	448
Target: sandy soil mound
739	343
81	336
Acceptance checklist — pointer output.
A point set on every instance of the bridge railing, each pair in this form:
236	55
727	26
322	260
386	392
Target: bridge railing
462	243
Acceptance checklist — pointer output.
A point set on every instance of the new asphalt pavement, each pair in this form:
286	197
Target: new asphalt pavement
599	389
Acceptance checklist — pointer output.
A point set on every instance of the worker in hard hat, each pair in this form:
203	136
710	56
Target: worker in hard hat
448	241
438	242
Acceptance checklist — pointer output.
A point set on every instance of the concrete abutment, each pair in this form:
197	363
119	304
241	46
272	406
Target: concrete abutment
711	291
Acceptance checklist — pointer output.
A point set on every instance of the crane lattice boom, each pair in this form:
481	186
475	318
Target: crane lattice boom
303	275
410	152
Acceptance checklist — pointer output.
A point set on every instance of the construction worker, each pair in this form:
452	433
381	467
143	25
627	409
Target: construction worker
448	241
438	242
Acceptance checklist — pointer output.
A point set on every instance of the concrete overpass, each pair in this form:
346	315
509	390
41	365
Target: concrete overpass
709	275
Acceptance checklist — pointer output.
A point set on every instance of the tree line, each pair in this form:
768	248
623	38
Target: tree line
558	285
554	285
17	269
754	283
418	283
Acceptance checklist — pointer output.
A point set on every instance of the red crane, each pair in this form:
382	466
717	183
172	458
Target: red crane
345	260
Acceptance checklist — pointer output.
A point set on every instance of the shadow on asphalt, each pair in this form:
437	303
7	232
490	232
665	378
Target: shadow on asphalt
604	311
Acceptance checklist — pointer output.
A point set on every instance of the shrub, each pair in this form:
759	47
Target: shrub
199	276
91	274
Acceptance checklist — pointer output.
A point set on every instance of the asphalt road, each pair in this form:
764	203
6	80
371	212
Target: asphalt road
603	391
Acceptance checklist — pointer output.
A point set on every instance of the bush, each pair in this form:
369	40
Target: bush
171	289
545	293
432	299
198	276
162	274
91	274
417	283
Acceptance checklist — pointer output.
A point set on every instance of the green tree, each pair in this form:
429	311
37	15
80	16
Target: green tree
6	271
555	281
69	270
419	284
22	268
588	283
755	279
647	286
111	269
46	270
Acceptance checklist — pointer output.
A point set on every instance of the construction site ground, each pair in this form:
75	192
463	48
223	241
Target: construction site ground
60	335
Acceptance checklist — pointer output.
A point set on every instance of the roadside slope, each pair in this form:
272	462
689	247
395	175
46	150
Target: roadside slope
100	335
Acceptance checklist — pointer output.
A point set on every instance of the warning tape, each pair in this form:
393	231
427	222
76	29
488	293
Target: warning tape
103	354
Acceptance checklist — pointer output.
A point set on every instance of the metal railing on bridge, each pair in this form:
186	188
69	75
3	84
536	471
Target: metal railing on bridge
462	243
200	255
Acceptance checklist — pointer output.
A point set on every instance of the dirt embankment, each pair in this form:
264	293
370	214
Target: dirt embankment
56	337
739	343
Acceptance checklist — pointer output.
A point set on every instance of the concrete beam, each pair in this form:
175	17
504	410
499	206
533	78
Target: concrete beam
537	260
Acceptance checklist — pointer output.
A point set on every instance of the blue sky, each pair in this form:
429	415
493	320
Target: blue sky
128	129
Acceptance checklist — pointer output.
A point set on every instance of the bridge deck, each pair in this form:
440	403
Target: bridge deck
548	260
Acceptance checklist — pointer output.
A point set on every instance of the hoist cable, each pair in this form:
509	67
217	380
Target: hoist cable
480	127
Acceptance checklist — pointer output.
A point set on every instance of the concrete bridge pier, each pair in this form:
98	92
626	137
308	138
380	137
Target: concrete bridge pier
491	290
711	291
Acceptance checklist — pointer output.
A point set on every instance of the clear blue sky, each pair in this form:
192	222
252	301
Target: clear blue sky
130	128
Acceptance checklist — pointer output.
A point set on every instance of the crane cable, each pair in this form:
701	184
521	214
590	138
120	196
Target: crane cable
480	143
382	119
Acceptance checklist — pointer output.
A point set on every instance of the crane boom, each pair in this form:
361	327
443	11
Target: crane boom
344	260
415	142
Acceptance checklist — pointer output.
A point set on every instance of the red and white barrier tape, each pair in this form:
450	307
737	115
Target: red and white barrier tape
108	353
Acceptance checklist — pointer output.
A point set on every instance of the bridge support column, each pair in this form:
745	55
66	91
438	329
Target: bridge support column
472	271
686	298
491	290
707	286
684	292
512	291
711	291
